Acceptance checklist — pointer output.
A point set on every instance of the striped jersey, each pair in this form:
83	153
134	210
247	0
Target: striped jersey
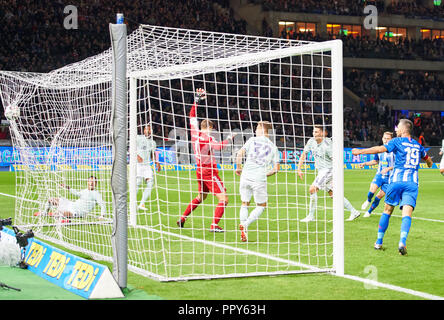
408	154
322	152
261	154
145	148
386	159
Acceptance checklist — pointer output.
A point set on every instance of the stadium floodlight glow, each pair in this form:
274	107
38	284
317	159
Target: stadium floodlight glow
63	136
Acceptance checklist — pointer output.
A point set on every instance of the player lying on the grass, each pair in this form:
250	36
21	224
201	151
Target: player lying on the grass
321	148
146	150
208	179
386	162
403	182
441	152
87	200
261	153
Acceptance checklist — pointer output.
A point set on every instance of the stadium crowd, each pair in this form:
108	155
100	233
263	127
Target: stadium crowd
34	39
389	84
34	30
408	8
364	47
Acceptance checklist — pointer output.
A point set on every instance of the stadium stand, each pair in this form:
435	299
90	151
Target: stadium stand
34	39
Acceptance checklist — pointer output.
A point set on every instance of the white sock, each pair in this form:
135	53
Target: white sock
255	214
243	213
313	204
147	192
47	207
348	205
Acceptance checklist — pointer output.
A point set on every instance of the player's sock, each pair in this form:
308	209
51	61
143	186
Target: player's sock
219	212
47	207
313	204
147	192
374	204
382	227
348	205
370	196
193	205
405	228
255	214
243	214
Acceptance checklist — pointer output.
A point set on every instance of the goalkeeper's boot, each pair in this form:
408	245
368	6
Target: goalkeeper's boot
243	233
402	249
181	222
216	228
365	205
142	207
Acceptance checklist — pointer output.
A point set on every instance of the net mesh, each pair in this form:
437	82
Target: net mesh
62	137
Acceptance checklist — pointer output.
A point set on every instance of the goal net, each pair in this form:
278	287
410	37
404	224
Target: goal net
62	137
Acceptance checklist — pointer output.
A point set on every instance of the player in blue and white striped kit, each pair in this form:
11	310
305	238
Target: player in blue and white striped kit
381	179
403	182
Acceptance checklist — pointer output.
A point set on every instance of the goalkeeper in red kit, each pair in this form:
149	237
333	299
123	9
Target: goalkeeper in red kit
208	179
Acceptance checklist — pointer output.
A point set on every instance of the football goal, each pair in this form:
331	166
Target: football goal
62	140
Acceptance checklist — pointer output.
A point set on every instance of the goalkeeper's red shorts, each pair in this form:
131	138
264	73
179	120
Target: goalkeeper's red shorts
209	181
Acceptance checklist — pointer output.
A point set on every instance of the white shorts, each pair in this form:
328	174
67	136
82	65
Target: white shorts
144	171
441	165
324	180
66	205
249	188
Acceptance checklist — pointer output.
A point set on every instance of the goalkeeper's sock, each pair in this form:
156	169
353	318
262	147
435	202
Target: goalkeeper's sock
374	204
313	204
147	192
255	214
370	196
219	212
193	205
405	228
382	227
243	214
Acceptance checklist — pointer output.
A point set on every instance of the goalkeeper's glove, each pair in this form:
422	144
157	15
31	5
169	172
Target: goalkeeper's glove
199	95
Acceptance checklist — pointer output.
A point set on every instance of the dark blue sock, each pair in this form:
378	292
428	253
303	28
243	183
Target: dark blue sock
405	228
374	205
382	227
369	196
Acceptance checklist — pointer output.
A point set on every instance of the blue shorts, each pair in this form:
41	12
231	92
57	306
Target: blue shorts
381	182
402	193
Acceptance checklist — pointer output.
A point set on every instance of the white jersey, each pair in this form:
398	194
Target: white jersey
322	152
87	201
145	148
261	153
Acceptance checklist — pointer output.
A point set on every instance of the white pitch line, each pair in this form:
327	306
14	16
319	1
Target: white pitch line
393	287
346	276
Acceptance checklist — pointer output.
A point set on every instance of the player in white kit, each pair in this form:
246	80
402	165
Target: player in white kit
262	161
321	149
87	200
441	153
146	150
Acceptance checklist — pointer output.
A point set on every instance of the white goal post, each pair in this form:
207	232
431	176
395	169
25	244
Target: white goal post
65	117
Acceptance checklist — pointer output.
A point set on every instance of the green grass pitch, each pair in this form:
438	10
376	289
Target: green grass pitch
420	270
